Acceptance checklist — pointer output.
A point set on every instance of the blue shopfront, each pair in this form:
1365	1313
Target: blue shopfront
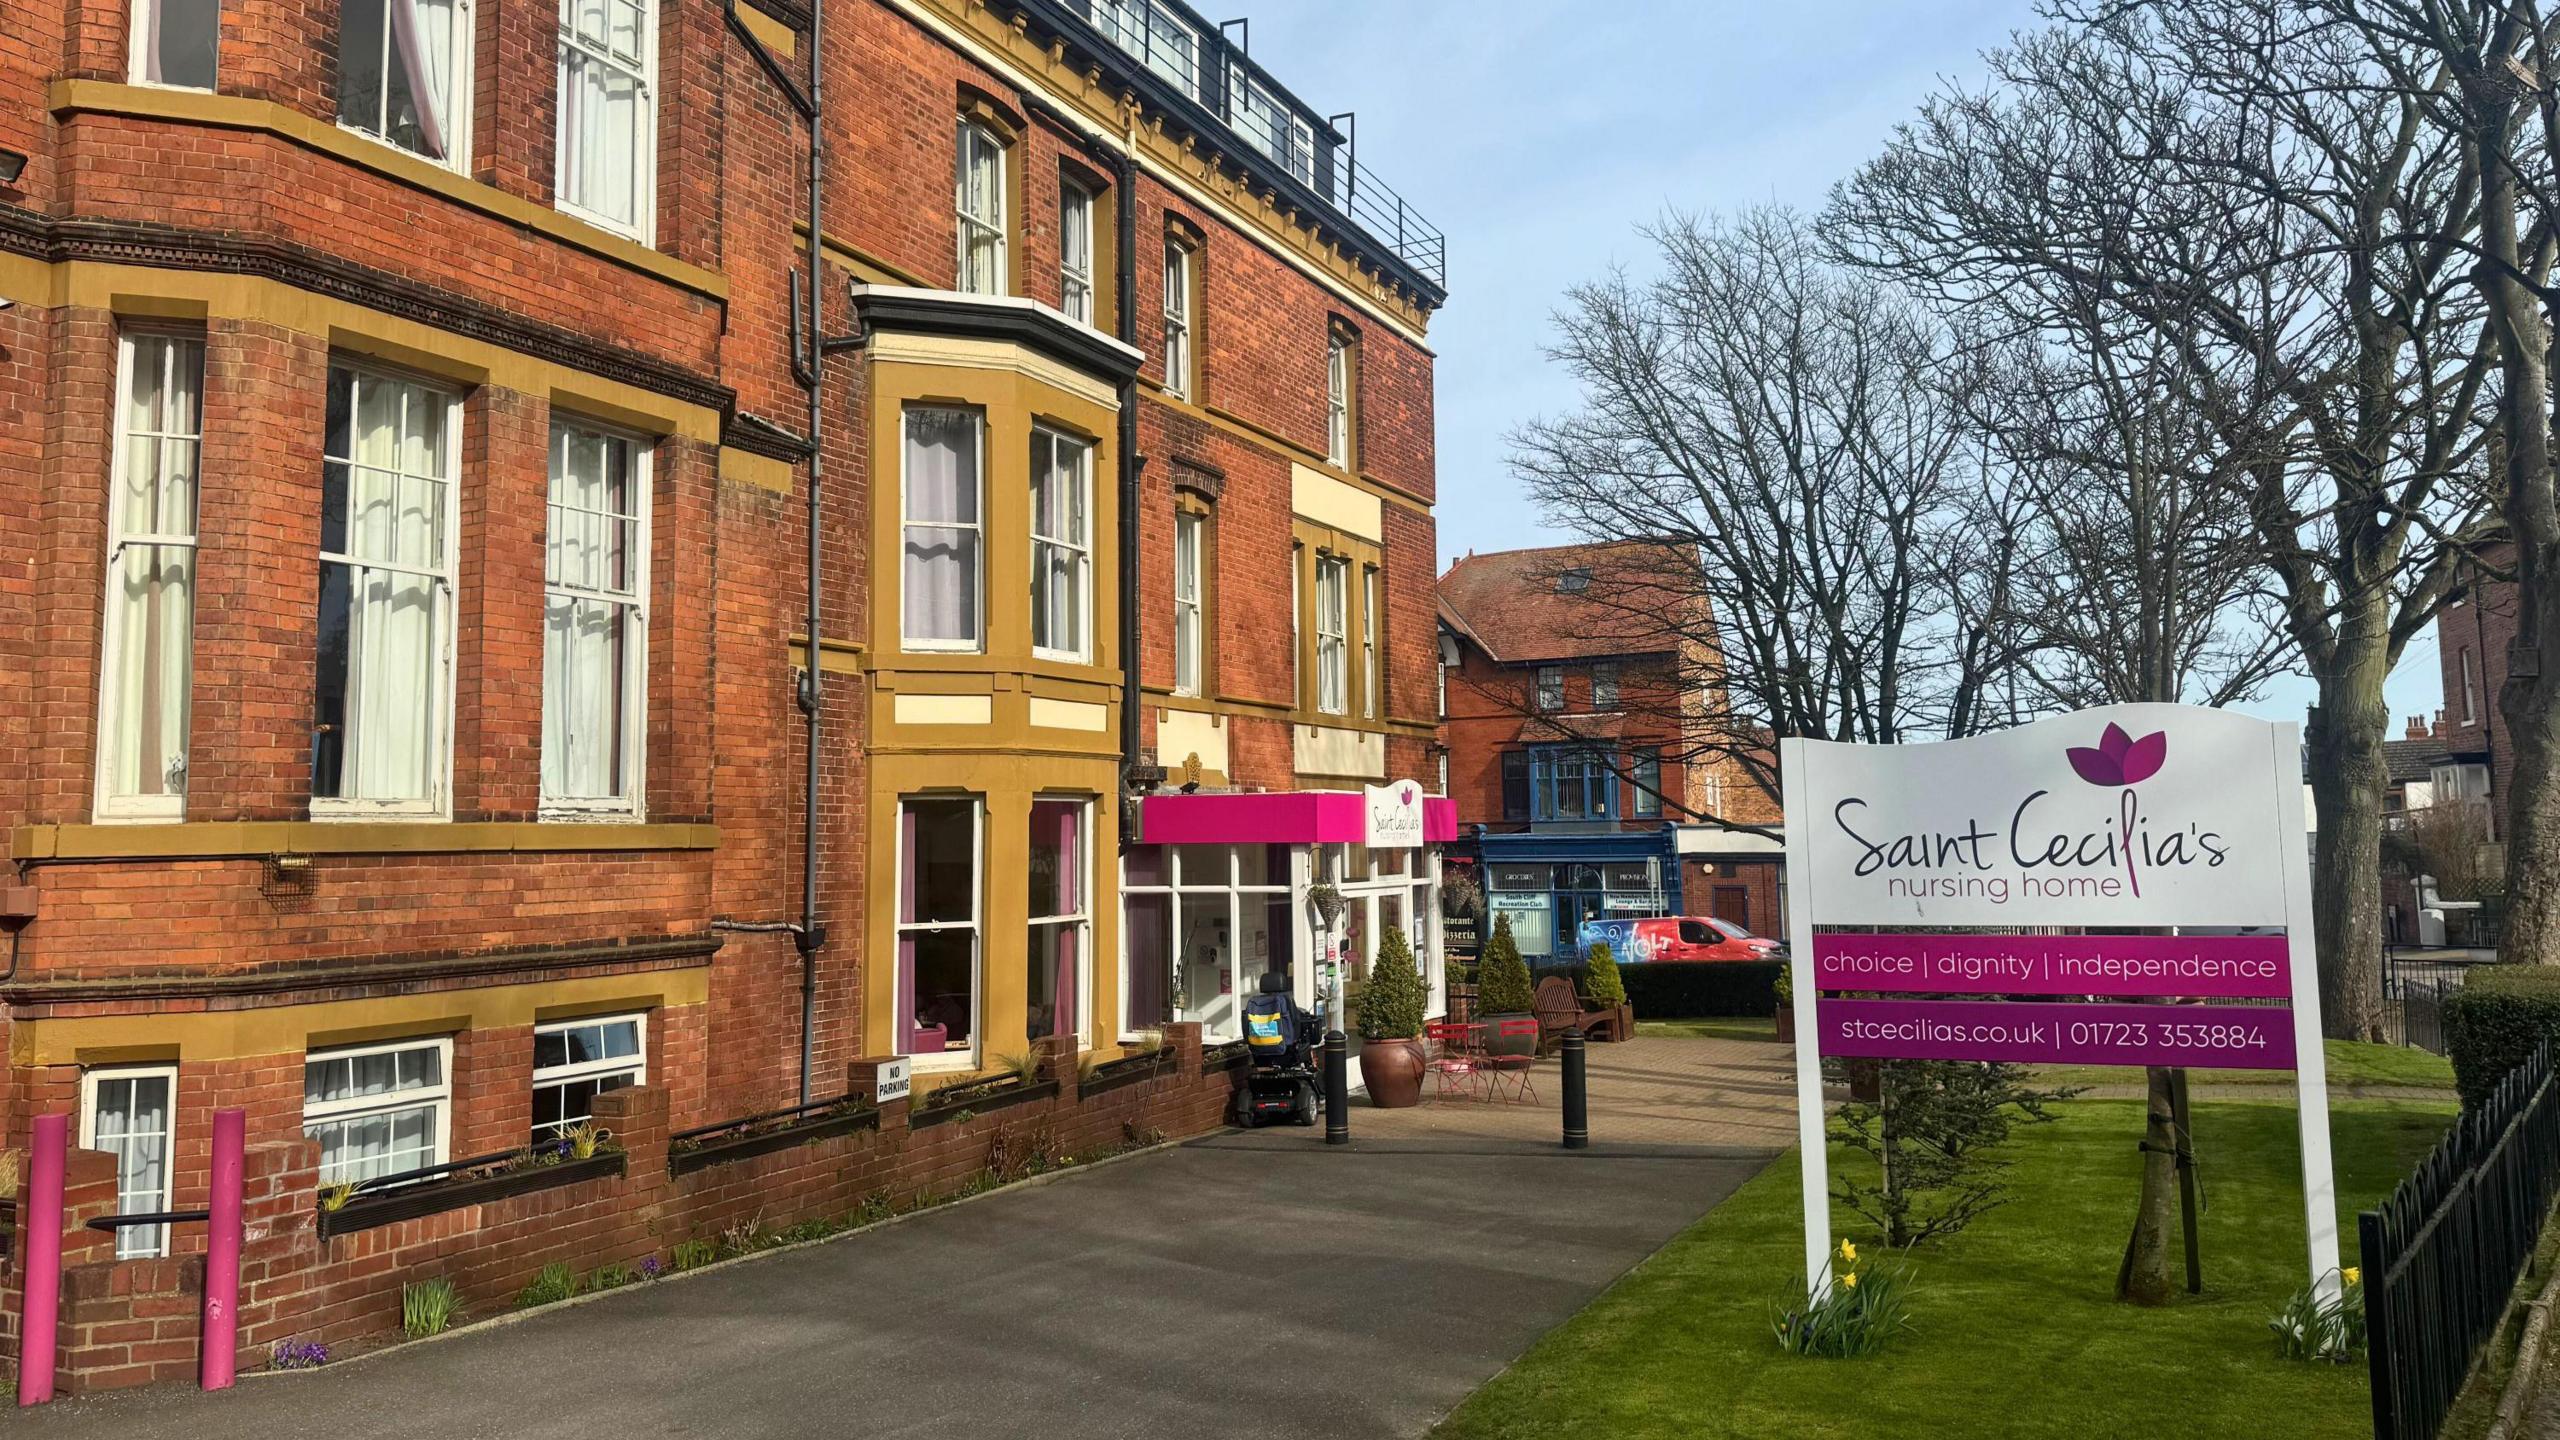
1547	885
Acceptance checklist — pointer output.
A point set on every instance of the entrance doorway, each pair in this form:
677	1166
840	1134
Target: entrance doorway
1733	903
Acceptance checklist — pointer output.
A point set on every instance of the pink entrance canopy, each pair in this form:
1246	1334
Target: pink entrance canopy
1292	817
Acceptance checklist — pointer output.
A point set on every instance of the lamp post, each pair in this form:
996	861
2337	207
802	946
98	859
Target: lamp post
1337	1046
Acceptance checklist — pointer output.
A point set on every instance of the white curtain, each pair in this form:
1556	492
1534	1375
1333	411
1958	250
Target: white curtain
153	600
940	598
1057	545
132	1124
1186	603
396	504
586	638
604	105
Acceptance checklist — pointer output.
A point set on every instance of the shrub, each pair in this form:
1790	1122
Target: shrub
557	1282
1605	986
2493	1023
1391	1004
1685	990
1859	1315
428	1307
694	1254
1502	982
1931	1135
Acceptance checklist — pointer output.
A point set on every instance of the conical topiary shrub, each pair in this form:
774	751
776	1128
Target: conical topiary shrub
1391	1004
1607	989
1502	981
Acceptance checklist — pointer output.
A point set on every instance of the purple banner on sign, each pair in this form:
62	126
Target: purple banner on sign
2228	1037
2201	966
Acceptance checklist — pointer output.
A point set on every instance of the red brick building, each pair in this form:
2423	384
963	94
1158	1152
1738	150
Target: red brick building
1576	750
2473	633
404	621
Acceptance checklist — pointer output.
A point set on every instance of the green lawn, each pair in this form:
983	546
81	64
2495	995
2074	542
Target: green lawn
2015	1333
1738	1028
2350	1063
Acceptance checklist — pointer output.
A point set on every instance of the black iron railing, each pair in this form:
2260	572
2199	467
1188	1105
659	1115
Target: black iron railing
2442	1255
2413	996
724	1128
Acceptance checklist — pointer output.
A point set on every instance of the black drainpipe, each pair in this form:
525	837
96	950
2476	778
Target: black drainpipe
808	356
1124	167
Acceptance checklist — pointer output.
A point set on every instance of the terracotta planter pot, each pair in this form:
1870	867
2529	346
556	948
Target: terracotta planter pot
1392	1070
1497	1043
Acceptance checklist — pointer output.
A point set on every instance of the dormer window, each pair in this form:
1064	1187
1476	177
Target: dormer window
1574	581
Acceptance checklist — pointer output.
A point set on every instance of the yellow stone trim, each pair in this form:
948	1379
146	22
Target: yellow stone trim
201	1036
745	467
864	266
1314	495
148	292
781	39
1048	714
943	709
236	839
979	32
901	348
239	112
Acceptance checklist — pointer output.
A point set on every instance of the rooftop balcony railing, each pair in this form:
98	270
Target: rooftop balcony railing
1196	59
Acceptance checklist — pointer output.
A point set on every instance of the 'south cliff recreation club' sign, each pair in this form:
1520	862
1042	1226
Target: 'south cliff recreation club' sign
2013	896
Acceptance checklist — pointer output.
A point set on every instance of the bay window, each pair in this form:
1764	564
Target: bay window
378	1109
404	74
1075	251
383	695
1061	919
980	201
1571	783
940	882
1199	926
1333	582
146	670
608	112
175	42
574	1061
1061	545
131	1113
1189	539
595	634
942	584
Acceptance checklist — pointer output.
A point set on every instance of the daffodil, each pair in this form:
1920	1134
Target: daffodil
1848	1251
2352	1275
1850	1279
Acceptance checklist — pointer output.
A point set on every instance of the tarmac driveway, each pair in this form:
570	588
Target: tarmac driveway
1245	1284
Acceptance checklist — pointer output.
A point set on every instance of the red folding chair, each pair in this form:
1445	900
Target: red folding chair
1454	1064
1520	1032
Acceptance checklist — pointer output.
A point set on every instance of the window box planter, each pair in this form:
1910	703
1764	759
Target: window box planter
1131	1070
728	1149
434	1197
1234	1055
978	1102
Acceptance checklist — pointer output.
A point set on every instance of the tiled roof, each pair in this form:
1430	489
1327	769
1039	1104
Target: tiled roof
1514	605
2407	760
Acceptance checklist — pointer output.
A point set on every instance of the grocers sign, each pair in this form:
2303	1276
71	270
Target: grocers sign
2183	824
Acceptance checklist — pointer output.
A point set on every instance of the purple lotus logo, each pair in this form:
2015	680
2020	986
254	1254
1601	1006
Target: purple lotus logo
2121	760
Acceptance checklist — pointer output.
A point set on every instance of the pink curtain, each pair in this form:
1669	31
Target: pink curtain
1070	874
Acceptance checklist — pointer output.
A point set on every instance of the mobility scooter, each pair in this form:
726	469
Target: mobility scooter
1281	1085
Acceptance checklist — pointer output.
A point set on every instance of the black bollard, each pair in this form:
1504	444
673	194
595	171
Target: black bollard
1337	1088
1577	1097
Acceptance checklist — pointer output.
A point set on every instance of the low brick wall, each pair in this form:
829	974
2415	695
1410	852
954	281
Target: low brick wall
135	1322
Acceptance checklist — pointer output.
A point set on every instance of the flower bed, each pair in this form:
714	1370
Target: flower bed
1129	1070
954	1101
1230	1056
433	1197
686	1156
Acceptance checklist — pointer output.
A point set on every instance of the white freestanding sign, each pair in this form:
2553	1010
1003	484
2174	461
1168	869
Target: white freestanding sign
2181	821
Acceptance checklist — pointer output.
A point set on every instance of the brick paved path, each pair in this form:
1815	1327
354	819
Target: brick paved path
1655	1093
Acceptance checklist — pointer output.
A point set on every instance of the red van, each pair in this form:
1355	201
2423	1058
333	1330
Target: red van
1677	937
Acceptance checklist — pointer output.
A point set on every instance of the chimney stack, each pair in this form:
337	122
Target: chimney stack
2417	728
2439	722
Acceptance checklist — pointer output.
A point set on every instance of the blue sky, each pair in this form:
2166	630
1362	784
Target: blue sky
1540	133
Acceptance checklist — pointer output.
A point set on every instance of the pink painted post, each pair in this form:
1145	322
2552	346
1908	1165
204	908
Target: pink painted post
221	1343
40	1230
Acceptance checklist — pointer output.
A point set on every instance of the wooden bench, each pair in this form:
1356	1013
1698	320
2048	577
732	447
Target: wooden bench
1559	1009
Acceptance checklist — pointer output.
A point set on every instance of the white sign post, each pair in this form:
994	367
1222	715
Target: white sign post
2186	823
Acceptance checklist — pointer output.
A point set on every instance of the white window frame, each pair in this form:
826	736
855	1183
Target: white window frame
1190	649
643	224
975	925
466	27
1337	400
1550	688
136	1242
1369	642
906	521
989	228
1177	319
1333	660
1081	920
438	804
2470	688
635	1065
108	802
1225	894
1047	446
1075	234
634	604
137	62
439	1095
1604	684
